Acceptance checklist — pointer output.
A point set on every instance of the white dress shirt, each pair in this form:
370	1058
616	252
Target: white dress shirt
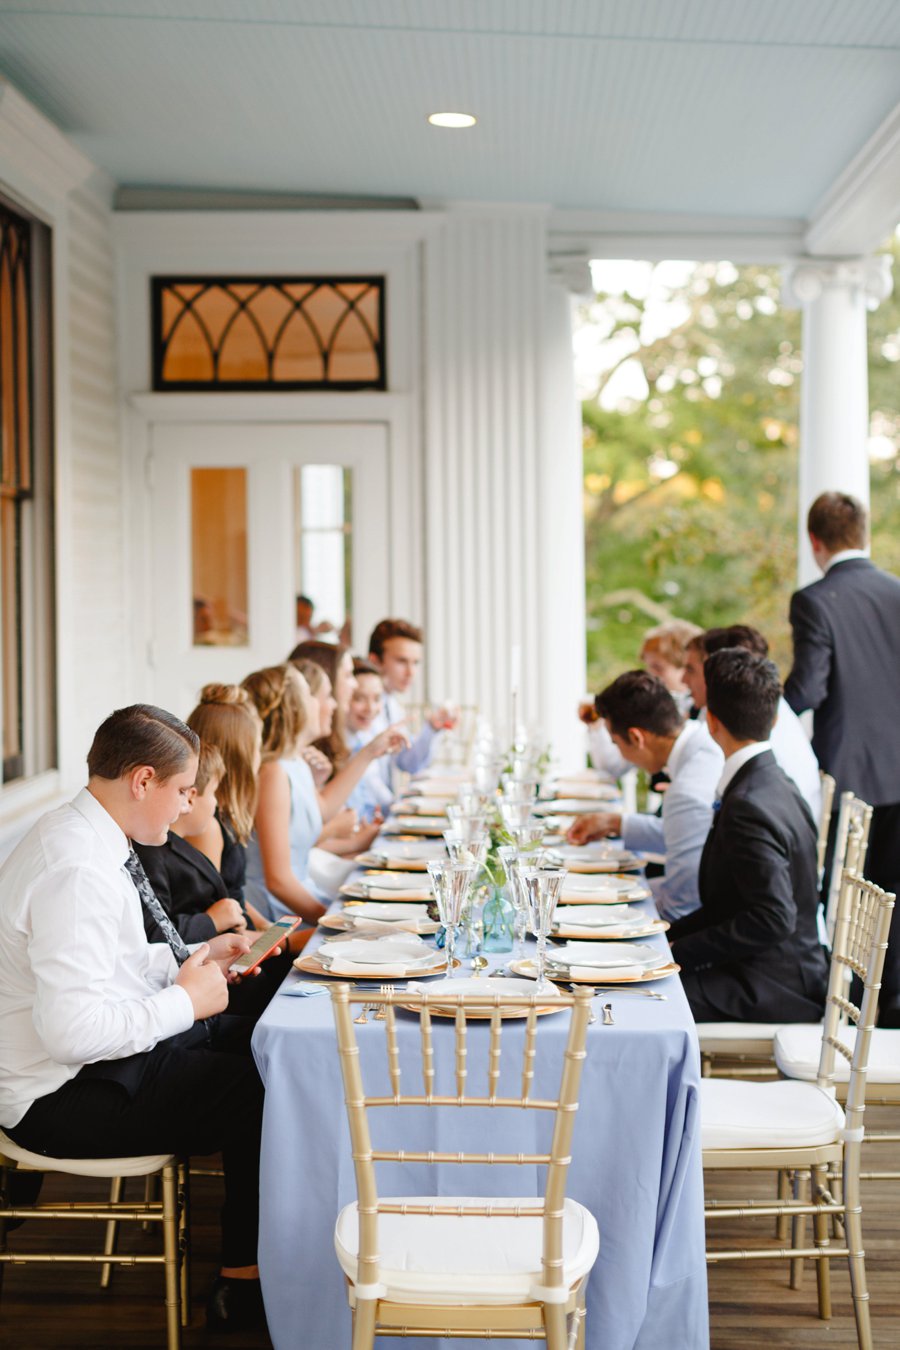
694	765
844	556
79	982
737	761
793	752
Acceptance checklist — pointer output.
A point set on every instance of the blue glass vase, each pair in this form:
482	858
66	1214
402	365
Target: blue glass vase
498	920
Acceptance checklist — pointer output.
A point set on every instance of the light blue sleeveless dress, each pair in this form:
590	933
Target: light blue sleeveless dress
305	827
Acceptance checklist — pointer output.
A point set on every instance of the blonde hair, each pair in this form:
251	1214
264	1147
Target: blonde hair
669	640
315	660
277	692
210	767
226	718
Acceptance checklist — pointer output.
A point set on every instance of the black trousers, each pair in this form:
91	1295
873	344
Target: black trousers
191	1095
883	867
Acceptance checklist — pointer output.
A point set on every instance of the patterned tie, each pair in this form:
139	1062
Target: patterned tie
151	904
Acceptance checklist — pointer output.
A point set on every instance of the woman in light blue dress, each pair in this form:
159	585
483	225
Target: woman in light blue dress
290	810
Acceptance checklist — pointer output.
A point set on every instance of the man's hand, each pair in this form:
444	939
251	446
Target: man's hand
320	765
227	915
226	948
443	719
597	825
204	983
388	742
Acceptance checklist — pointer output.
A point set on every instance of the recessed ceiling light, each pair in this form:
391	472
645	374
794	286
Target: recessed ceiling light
451	119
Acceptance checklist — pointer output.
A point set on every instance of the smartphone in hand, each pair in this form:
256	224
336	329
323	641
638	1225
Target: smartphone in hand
264	944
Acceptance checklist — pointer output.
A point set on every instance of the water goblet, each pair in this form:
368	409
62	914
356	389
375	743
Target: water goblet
471	800
513	865
450	883
462	849
514	786
529	838
542	888
515	812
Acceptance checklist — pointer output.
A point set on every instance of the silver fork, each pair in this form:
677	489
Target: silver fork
382	1011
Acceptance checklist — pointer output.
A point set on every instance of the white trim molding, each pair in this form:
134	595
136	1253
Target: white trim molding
43	163
660	236
805	279
862	206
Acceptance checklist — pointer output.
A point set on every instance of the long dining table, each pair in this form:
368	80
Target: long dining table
636	1165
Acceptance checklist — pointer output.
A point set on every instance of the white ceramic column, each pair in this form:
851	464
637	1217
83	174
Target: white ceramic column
834	401
504	550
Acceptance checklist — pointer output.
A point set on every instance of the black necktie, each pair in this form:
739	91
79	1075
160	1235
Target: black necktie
150	901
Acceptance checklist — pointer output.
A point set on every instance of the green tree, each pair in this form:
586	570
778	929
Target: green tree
691	489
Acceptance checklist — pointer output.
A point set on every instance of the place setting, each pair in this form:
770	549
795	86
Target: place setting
598	962
380	917
603	889
387	885
410	856
595	859
373	957
603	921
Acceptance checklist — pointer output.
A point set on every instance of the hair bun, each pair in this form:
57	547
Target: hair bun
224	693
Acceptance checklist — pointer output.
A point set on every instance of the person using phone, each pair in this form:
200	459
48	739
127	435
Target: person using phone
114	1046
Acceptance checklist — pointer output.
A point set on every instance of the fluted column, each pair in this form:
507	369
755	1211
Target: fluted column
834	401
502	471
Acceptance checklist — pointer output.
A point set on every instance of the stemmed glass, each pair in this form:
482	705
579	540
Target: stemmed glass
542	888
529	837
450	883
513	865
463	849
516	812
469	824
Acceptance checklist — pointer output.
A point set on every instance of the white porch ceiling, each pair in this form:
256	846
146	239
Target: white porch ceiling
702	108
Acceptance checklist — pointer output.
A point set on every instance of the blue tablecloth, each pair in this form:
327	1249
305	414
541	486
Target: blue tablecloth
636	1165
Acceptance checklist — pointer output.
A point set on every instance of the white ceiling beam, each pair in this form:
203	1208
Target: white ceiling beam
862	207
660	236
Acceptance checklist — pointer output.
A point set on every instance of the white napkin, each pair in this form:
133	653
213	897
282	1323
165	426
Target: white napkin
368	956
583	895
599	960
395	892
387	913
594	916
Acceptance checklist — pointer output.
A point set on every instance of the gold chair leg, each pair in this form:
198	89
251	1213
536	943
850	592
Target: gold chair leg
798	1227
116	1191
364	1324
784	1193
858	1285
555	1326
184	1239
170	1250
581	1319
820	1235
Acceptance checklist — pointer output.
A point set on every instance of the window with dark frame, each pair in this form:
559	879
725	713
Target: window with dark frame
27	666
268	333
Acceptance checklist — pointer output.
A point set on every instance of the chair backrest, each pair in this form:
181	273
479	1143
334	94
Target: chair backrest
490	1007
860	943
828	785
852	808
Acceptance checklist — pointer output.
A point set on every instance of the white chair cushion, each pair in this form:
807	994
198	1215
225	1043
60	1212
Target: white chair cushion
797	1054
84	1167
735	1114
736	1031
449	1260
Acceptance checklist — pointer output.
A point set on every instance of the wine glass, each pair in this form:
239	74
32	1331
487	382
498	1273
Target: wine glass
513	864
467	823
542	888
515	812
530	837
462	849
450	883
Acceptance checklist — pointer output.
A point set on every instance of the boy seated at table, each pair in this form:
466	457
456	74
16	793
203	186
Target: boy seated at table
751	952
395	650
371	799
185	882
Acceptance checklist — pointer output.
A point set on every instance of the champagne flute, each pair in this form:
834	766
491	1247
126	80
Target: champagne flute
516	812
450	883
513	864
542	888
462	849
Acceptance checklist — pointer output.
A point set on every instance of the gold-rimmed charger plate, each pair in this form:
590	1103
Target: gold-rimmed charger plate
362	890
528	968
620	862
343	923
310	965
612	934
616	897
415	825
482	984
392	863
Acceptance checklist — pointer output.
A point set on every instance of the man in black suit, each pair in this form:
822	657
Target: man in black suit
751	952
847	670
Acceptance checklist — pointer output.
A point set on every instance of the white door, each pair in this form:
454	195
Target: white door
246	516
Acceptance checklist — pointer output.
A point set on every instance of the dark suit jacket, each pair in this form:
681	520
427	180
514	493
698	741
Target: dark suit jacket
186	883
752	946
847	670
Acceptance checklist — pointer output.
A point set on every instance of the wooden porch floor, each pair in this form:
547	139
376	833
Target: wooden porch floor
751	1305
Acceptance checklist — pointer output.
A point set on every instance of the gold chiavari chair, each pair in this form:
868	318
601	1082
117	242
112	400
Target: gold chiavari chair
752	1043
800	1126
492	1268
169	1211
828	787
